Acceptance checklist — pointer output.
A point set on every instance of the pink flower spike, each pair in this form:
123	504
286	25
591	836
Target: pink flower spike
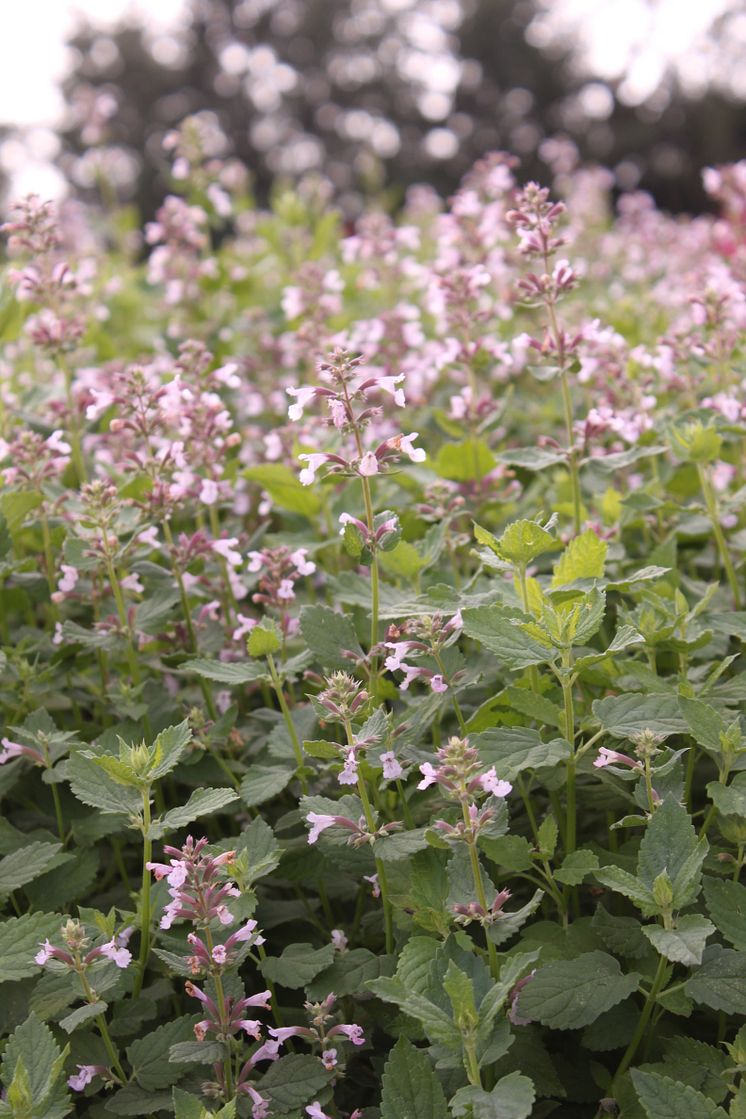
490	784
368	465
319	822
429	776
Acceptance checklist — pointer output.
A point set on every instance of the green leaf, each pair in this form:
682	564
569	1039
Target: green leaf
583	558
329	635
411	1090
202	802
400	845
298	964
664	1098
705	725
467	461
720	982
622	882
82	1014
460	990
514	749
17	505
94	788
150	1055
568	994
25	865
186	1106
684	944
726	904
33	1053
502	635
404	561
512	1098
625	716
292	1082
133	1100
621	935
225	673
729	799
532	458
576	867
263	782
20	938
435	1022
670	844
264	640
284	488
168	749
348	974
524	541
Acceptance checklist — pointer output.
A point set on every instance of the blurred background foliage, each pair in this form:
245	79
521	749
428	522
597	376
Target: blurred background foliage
375	95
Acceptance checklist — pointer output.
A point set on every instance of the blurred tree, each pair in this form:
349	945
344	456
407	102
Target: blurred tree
374	94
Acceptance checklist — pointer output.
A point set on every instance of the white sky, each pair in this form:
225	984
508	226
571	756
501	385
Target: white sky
633	39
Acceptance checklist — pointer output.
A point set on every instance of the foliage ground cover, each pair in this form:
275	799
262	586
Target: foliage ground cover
371	607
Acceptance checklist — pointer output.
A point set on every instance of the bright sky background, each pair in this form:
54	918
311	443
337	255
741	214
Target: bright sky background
629	39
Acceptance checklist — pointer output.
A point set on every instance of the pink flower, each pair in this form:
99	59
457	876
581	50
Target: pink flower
68	580
490	784
55	442
119	956
245	625
368	465
375	889
219	954
285	590
314	1111
302	397
10	750
319	822
329	1059
392	771
415	454
83	1076
149	537
208	493
302	565
348	776
44	953
132	583
429	776
315	462
438	684
401	648
227	549
352	1033
613	757
339	940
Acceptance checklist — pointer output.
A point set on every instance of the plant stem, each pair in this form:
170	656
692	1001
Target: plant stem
388	921
569	728
479	887
374	586
147	857
220	995
647	1010
713	512
456	705
297	748
103	1029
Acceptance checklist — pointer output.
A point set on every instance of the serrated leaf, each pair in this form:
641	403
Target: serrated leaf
467	461
729	799
583	558
625	716
20	938
512	750
298	964
202	802
621	935
685	943
726	904
576	866
720	982
82	1014
150	1055
93	787
569	994
263	782
671	845
264	640
223	672
411	1090
33	1046
292	1082
664	1098
133	1100
512	1098
503	636
168	749
25	865
329	635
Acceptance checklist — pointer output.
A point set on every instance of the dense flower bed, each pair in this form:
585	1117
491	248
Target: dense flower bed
371	606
